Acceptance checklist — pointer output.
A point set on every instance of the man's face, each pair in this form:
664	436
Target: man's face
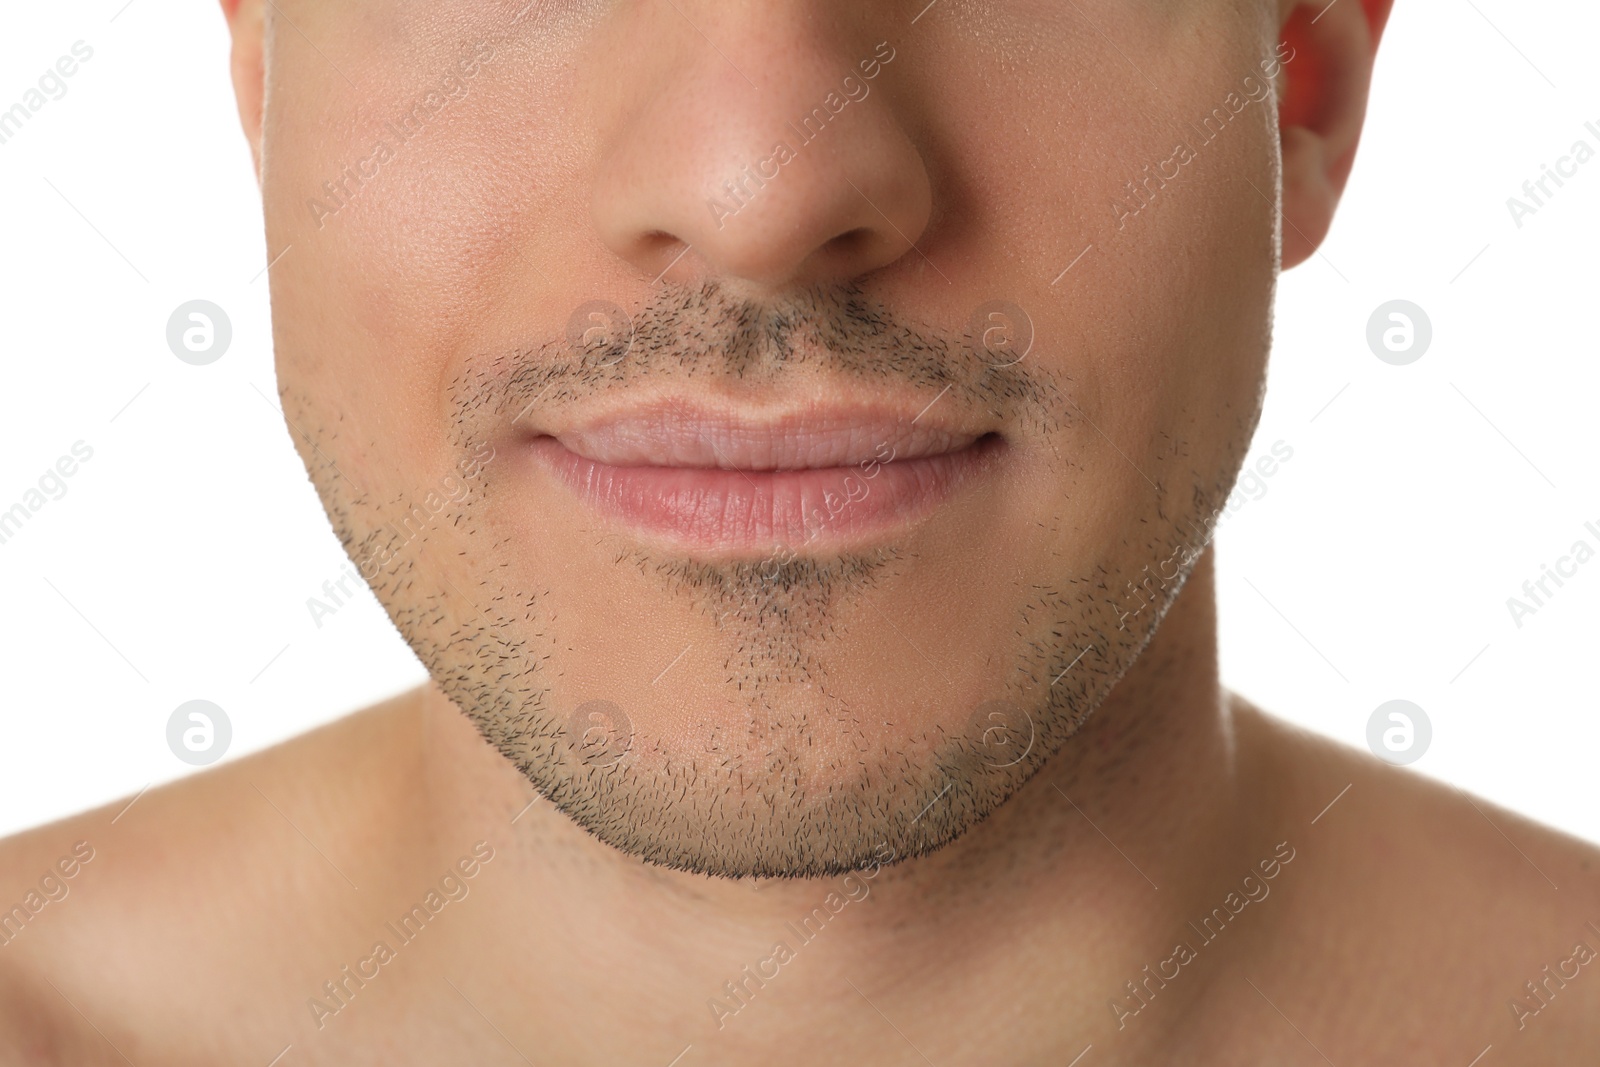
777	426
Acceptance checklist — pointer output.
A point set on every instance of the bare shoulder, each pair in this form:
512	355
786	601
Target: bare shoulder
1446	922
199	888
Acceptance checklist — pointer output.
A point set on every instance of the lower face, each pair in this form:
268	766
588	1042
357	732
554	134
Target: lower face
757	580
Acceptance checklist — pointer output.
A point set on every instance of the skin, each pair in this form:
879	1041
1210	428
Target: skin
817	735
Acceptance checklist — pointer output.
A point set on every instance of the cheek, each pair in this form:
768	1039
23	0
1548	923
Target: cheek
398	269
1163	320
1183	289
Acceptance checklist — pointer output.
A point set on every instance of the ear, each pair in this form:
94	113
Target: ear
245	22
1327	70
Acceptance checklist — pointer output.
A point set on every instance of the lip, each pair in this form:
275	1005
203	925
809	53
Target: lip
719	481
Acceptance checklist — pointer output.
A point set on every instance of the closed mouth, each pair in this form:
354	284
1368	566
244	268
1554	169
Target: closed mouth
718	481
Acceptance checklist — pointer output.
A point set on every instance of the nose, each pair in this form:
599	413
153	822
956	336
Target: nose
805	175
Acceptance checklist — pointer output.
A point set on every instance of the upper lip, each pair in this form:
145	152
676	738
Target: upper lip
688	435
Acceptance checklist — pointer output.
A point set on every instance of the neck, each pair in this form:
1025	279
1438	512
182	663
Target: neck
1103	857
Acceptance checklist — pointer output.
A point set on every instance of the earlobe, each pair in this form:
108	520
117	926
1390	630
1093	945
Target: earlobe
248	68
1321	113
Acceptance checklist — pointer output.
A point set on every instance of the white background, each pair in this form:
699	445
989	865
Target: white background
1376	565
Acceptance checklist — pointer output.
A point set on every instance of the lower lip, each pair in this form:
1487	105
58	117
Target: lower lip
731	510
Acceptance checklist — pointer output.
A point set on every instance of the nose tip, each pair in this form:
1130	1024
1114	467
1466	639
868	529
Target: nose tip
754	199
817	219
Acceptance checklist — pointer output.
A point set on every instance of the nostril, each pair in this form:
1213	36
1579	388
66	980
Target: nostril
850	243
656	242
660	251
